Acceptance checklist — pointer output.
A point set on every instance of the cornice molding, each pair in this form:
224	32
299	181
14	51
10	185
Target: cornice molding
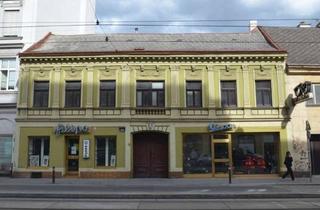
153	59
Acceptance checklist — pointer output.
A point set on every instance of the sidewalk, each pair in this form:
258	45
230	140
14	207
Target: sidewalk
159	188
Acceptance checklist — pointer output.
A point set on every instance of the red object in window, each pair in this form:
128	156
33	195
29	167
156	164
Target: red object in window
249	162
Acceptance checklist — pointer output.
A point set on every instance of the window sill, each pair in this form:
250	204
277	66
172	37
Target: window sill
105	167
38	167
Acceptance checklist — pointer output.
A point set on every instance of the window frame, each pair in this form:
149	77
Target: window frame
107	91
42	104
313	101
76	104
149	92
9	70
108	139
229	105
42	139
263	96
193	95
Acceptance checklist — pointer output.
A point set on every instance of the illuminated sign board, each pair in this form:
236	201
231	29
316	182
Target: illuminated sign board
215	127
71	129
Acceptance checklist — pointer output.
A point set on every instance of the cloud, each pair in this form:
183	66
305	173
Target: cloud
133	10
301	7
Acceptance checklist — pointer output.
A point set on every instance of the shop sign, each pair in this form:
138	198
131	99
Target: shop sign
71	129
303	92
86	147
215	127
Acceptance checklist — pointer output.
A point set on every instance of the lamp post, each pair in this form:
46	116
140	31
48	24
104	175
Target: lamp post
308	129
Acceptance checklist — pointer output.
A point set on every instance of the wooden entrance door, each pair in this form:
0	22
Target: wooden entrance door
150	155
315	154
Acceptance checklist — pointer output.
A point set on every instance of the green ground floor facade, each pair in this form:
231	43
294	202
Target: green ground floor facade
149	149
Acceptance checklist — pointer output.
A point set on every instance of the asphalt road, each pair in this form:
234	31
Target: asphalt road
172	204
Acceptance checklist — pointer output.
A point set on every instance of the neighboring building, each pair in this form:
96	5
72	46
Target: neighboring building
303	64
23	23
151	105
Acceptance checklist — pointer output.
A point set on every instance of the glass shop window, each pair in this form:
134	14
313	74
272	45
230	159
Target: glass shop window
106	151
255	153
197	154
39	151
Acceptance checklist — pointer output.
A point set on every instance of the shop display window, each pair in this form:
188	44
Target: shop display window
255	153
197	154
39	151
106	151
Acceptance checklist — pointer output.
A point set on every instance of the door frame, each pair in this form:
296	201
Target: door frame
67	138
221	160
132	149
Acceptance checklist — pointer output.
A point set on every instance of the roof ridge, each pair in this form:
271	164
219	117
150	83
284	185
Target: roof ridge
37	44
269	39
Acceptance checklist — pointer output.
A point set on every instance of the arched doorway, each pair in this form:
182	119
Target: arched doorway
150	155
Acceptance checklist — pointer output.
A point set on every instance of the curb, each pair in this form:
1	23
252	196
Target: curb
156	196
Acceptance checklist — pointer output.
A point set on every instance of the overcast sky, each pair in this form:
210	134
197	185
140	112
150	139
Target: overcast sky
118	11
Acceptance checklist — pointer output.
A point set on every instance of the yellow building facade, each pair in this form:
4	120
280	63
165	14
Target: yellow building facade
151	114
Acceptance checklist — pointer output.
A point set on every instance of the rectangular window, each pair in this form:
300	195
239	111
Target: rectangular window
197	154
73	94
106	151
194	94
107	93
315	88
11	22
263	93
255	153
228	93
39	151
8	74
41	94
150	94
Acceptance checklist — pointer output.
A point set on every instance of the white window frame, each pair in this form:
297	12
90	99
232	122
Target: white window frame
44	158
312	102
9	70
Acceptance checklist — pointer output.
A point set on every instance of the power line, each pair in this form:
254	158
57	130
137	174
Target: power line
172	20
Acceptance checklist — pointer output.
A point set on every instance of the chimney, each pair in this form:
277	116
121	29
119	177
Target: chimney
253	24
303	24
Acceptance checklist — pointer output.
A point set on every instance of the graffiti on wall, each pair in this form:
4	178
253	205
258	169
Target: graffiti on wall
300	155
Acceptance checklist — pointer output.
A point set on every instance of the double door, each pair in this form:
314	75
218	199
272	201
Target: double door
221	154
150	155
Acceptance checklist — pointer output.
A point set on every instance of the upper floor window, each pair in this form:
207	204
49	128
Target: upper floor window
8	74
315	88
41	94
107	93
106	151
228	93
11	22
73	94
194	93
39	151
150	94
263	93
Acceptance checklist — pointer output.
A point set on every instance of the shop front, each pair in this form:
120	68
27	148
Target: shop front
246	151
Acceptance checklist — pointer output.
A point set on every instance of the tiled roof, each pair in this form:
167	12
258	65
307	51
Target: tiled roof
302	44
152	42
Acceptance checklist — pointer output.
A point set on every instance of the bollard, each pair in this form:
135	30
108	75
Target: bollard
11	170
53	175
230	174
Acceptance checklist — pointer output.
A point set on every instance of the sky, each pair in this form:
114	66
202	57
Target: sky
118	11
